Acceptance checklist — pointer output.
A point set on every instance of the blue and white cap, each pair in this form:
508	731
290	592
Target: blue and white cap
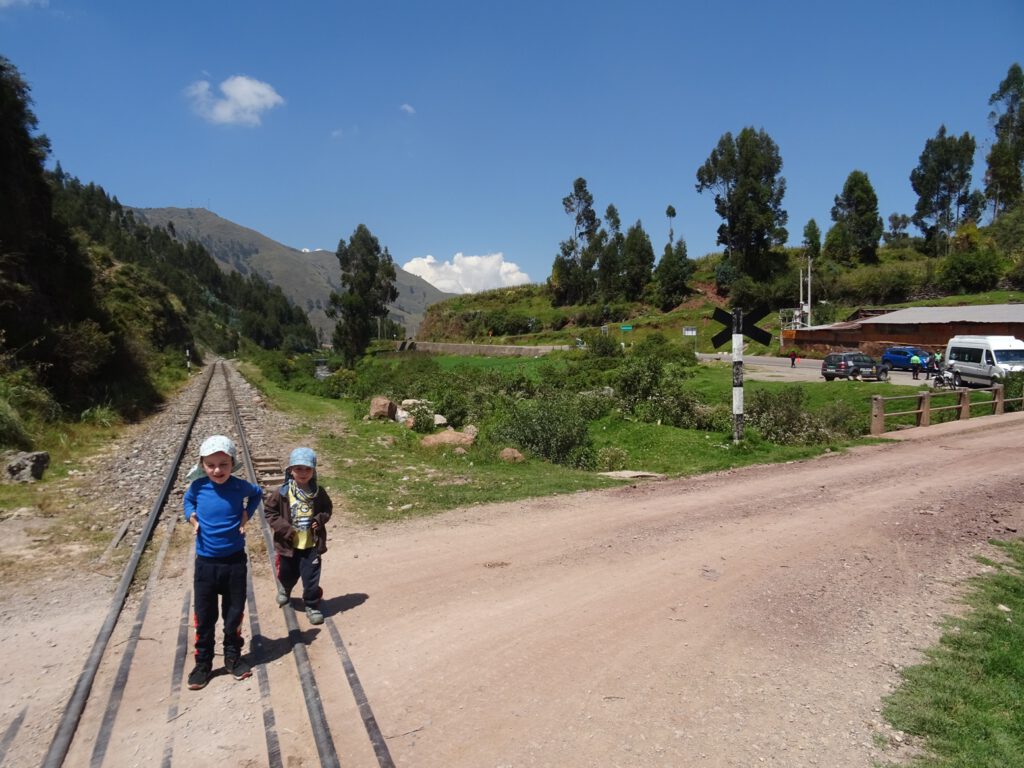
302	457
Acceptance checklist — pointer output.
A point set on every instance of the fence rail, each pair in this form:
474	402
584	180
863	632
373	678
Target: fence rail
926	408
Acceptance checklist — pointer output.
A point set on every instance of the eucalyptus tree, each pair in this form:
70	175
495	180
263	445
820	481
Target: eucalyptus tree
942	181
571	278
609	261
368	280
670	212
743	172
1005	162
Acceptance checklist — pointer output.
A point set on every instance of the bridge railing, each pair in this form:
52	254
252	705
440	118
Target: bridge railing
959	401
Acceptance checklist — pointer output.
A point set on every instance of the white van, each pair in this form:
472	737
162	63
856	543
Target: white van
983	360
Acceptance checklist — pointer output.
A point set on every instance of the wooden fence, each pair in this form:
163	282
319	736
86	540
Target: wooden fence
926	408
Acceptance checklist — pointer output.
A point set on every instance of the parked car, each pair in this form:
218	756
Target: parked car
899	357
852	365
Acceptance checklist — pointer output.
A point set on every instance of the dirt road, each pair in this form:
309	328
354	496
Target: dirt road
753	617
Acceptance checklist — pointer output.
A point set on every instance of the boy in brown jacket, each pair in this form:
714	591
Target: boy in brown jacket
298	512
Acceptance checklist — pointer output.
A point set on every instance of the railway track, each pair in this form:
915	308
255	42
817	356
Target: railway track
304	704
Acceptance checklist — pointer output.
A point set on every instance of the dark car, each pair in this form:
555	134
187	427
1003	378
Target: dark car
899	357
852	365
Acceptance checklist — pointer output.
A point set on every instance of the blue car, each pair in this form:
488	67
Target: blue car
899	357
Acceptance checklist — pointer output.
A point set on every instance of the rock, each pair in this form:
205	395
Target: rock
27	467
511	455
440	421
382	408
448	437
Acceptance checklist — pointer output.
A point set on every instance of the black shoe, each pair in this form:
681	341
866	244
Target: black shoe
199	677
238	668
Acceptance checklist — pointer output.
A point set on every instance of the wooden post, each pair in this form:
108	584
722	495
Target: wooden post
999	398
877	415
965	403
924	409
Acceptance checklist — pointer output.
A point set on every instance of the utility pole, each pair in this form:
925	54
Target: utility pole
810	261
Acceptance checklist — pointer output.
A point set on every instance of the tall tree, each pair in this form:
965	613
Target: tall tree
812	239
368	280
571	278
637	262
856	212
744	175
670	212
672	275
609	263
942	181
1004	176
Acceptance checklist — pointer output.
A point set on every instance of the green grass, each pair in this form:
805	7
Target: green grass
967	701
378	470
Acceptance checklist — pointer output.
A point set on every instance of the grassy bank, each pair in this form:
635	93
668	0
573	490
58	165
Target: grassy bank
966	703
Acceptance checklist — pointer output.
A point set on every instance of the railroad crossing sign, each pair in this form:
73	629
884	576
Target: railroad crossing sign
743	325
736	327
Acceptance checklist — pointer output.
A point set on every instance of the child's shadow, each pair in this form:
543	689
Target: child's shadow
272	649
332	606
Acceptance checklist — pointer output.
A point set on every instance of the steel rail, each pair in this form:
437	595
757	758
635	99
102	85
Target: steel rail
311	693
72	714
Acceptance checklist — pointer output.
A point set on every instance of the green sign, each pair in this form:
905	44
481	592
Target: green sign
626	327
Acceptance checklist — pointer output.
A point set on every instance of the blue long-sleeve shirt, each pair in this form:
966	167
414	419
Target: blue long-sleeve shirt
219	509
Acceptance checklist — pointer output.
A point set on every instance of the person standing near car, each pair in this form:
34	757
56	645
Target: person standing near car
915	364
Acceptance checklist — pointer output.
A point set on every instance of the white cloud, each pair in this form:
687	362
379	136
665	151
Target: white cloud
242	102
12	3
409	109
468	274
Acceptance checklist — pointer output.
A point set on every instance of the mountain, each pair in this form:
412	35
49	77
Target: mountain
305	277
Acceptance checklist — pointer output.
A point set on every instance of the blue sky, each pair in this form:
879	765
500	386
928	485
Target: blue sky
454	129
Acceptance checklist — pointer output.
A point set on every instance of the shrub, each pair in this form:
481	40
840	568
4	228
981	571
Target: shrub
554	428
1013	386
422	418
12	431
99	416
780	417
611	459
638	381
602	345
970	271
451	403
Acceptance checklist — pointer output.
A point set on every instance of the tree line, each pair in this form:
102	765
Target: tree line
599	264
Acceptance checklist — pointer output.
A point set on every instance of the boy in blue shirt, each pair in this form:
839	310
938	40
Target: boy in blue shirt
218	505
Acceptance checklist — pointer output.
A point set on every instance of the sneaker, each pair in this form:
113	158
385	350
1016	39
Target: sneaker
314	615
238	668
283	598
199	677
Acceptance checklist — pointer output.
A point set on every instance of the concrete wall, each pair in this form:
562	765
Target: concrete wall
498	350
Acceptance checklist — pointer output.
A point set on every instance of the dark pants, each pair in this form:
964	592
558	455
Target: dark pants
223	577
304	564
915	369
